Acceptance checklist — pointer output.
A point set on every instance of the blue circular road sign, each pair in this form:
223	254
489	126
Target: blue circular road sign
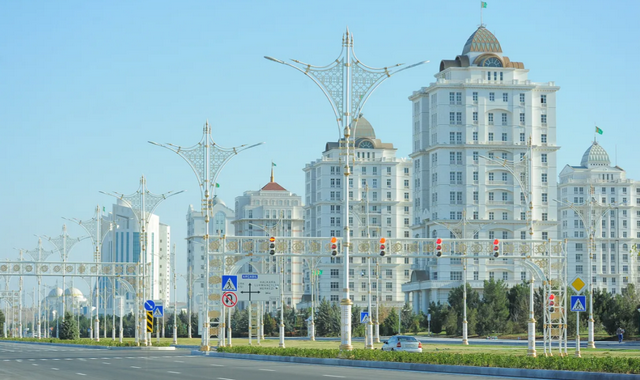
149	305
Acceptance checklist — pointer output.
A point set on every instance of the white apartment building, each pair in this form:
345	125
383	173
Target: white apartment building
272	211
126	235
380	193
481	112
220	224
615	210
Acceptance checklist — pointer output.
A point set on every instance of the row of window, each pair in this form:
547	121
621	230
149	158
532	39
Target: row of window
455	118
455	98
363	298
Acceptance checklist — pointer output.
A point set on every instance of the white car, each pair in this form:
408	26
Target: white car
402	343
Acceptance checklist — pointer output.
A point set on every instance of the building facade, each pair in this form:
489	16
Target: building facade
484	155
380	194
601	190
272	211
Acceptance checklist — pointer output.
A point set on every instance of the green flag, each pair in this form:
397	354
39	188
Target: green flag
104	209
483	4
273	164
217	184
598	130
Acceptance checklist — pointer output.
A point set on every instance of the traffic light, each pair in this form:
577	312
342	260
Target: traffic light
552	302
272	245
438	247
496	248
334	246
383	246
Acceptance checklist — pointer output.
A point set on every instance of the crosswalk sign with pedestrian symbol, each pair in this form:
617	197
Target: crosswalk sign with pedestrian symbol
229	283
578	303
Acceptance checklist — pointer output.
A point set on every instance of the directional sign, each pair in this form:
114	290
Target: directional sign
578	303
229	283
260	287
149	321
364	316
158	312
229	299
149	305
578	284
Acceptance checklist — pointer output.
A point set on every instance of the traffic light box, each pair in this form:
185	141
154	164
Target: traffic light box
496	248
334	246
272	245
438	247
383	246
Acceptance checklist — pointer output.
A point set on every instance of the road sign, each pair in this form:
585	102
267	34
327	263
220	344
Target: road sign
158	312
149	321
578	284
149	305
578	303
317	272
229	299
258	287
229	283
364	316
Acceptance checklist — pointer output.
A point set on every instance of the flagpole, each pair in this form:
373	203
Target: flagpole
481	6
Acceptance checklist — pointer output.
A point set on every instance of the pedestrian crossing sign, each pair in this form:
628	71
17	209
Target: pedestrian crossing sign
158	312
229	283
578	303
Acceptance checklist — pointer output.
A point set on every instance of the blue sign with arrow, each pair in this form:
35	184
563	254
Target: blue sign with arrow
578	303
149	305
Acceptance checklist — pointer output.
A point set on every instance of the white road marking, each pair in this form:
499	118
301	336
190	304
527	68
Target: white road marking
224	378
93	358
217	365
270	370
6	360
55	359
333	376
117	357
31	360
82	374
134	367
180	361
35	364
105	363
55	369
177	373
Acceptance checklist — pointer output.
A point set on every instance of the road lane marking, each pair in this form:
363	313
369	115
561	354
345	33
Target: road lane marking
180	361
55	359
217	365
34	364
224	378
135	367
264	369
333	376
92	358
105	363
55	369
81	374
177	373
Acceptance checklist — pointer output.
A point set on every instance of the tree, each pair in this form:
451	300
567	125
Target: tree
438	315
494	308
390	324
1	320
519	307
456	302
69	328
406	318
240	323
327	319
357	328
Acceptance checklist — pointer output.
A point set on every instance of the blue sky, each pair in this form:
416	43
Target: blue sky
84	86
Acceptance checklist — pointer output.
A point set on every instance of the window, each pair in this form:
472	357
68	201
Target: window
504	136
505	97
545	216
452	98
544	177
389	285
521	99
475	156
475	117
475	196
455	276
452	117
543	158
475	178
475	134
491	215
543	99
492	96
504	177
544	198
521	118
543	138
475	97
492	275
505	216
505	276
543	119
504	119
490	116
521	136
491	195
334	286
490	136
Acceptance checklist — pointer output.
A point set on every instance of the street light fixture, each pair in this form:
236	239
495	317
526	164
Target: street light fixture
347	83
207	159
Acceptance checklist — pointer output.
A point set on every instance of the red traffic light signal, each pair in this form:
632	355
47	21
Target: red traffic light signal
383	246
438	247
552	300
496	248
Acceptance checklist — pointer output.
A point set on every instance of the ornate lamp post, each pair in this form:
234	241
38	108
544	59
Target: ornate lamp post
38	255
143	203
347	83
207	159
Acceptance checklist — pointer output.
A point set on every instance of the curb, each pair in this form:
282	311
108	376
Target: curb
467	370
96	347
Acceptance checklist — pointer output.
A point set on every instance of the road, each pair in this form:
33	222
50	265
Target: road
35	361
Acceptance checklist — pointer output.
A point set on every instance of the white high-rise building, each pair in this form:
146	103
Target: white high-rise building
126	235
220	224
482	111
273	211
380	192
615	210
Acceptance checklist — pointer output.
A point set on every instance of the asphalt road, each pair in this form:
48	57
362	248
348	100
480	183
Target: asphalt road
20	361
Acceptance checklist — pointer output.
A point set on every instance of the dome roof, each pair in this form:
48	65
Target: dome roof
217	200
364	129
55	292
75	292
482	40
595	156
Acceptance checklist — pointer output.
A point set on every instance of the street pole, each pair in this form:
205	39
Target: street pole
577	354
377	338
281	345
207	160
347	84
531	337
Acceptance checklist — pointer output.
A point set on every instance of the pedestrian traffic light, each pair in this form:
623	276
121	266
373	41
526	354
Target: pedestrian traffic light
496	248
438	247
272	245
552	302
334	246
383	246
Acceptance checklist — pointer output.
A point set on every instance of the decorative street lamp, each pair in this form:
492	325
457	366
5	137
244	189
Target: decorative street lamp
38	255
207	159
347	83
143	203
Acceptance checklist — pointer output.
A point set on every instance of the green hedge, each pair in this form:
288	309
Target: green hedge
593	364
84	342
